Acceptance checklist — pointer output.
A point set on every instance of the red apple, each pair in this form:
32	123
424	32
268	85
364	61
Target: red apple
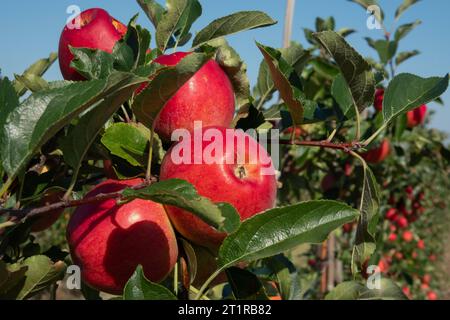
208	97
378	103
108	241
384	265
46	220
407	236
421	244
250	186
98	30
378	154
348	227
391	214
402	222
417	116
432	295
426	279
392	237
407	292
398	255
298	132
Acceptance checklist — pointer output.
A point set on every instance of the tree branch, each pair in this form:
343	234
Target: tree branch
347	147
19	214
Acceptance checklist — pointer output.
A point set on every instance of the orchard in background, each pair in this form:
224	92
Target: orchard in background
90	174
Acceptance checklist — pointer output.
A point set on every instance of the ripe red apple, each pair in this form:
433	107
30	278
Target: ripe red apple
208	97
109	241
417	116
407	236
384	265
348	227
378	154
421	244
398	255
46	220
298	132
426	279
392	237
250	186
407	292
424	286
391	214
378	103
432	295
402	222
98	30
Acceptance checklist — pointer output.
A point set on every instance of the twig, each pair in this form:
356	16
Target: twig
19	214
347	147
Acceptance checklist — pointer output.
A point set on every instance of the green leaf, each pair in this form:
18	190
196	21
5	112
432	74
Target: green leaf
91	63
41	273
341	93
31	82
234	23
181	194
294	55
139	288
235	68
403	7
36	70
345	32
323	25
130	141
407	92
403	56
37	119
367	3
283	269
401	124
281	229
281	72
177	21
248	117
356	71
11	281
388	291
324	68
350	290
353	290
405	29
165	85
80	138
245	285
9	100
138	39
386	49
365	244
153	10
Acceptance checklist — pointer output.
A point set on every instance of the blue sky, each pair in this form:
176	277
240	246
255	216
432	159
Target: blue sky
31	29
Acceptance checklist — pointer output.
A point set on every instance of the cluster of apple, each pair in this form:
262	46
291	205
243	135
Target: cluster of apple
405	243
414	117
107	240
